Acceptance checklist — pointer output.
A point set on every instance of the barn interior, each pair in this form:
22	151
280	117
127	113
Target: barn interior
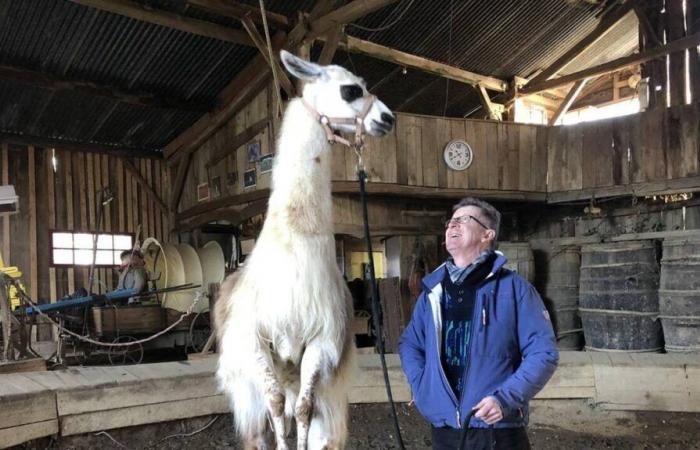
142	133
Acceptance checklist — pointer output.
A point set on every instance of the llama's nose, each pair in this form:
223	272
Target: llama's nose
388	118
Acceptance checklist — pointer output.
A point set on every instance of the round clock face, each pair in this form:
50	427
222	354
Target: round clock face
458	155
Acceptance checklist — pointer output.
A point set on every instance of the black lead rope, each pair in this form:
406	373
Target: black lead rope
465	429
362	177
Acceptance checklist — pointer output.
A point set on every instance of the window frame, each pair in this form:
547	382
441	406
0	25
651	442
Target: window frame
52	264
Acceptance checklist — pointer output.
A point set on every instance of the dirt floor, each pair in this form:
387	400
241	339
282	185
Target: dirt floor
570	425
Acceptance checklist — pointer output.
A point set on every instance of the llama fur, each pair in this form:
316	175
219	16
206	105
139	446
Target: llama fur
286	347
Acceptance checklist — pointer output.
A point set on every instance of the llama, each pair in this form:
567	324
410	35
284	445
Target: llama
286	348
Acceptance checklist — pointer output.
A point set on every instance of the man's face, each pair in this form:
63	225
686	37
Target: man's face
464	234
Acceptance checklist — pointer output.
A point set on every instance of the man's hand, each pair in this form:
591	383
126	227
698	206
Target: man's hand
489	410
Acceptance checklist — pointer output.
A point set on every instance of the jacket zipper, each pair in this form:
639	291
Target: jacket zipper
442	371
477	304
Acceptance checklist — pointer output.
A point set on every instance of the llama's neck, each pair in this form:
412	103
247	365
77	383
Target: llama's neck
301	185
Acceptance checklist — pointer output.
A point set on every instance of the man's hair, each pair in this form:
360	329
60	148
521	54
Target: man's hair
489	215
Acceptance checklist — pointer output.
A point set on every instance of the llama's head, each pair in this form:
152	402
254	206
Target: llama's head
337	93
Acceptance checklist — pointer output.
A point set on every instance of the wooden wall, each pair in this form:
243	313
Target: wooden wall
237	160
67	200
654	151
508	157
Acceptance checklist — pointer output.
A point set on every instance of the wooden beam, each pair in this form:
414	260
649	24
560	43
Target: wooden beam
612	66
643	19
234	214
603	27
40	141
170	20
261	44
179	182
224	202
399	190
240	139
408	60
55	83
129	166
238	10
244	86
568	101
345	14
330	46
487	103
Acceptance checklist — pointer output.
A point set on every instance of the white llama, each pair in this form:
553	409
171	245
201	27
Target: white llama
286	350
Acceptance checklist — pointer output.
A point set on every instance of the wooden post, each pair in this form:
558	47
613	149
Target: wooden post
675	29
693	21
569	100
6	219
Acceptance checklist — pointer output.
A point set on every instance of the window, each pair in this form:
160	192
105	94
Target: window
529	113
75	249
591	113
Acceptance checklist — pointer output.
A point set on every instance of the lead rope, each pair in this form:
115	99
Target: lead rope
376	308
465	429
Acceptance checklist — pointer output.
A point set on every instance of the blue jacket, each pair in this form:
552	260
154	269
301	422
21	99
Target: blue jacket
512	355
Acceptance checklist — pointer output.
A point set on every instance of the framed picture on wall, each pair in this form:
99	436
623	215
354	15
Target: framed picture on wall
253	151
202	192
249	178
231	178
266	163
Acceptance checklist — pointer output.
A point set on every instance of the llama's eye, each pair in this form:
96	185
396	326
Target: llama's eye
351	92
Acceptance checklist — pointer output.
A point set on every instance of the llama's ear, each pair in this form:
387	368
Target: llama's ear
300	68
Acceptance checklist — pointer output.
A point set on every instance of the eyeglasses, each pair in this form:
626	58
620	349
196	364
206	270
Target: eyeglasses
463	220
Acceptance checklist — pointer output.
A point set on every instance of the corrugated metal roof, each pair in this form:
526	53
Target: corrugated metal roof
67	40
500	38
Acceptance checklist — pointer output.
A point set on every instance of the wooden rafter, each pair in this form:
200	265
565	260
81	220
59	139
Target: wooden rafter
426	65
121	150
330	46
354	10
179	182
612	66
170	20
129	166
603	27
568	101
486	103
240	10
646	24
54	83
261	44
243	88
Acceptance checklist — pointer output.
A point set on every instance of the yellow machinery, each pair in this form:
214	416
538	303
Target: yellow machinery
12	272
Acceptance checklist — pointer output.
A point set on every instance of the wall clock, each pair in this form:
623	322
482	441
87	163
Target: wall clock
458	154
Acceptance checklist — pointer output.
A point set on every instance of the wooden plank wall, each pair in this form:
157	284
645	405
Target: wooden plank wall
507	156
237	161
656	145
67	200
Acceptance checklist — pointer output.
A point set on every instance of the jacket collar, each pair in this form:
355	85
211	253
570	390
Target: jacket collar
435	277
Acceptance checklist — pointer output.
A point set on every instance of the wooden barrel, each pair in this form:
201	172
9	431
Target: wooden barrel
558	277
519	255
679	294
618	296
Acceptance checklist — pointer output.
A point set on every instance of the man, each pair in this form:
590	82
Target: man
479	339
133	272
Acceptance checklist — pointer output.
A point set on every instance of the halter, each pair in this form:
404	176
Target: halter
326	123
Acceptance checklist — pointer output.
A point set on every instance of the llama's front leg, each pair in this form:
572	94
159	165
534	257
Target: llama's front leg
311	364
274	397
